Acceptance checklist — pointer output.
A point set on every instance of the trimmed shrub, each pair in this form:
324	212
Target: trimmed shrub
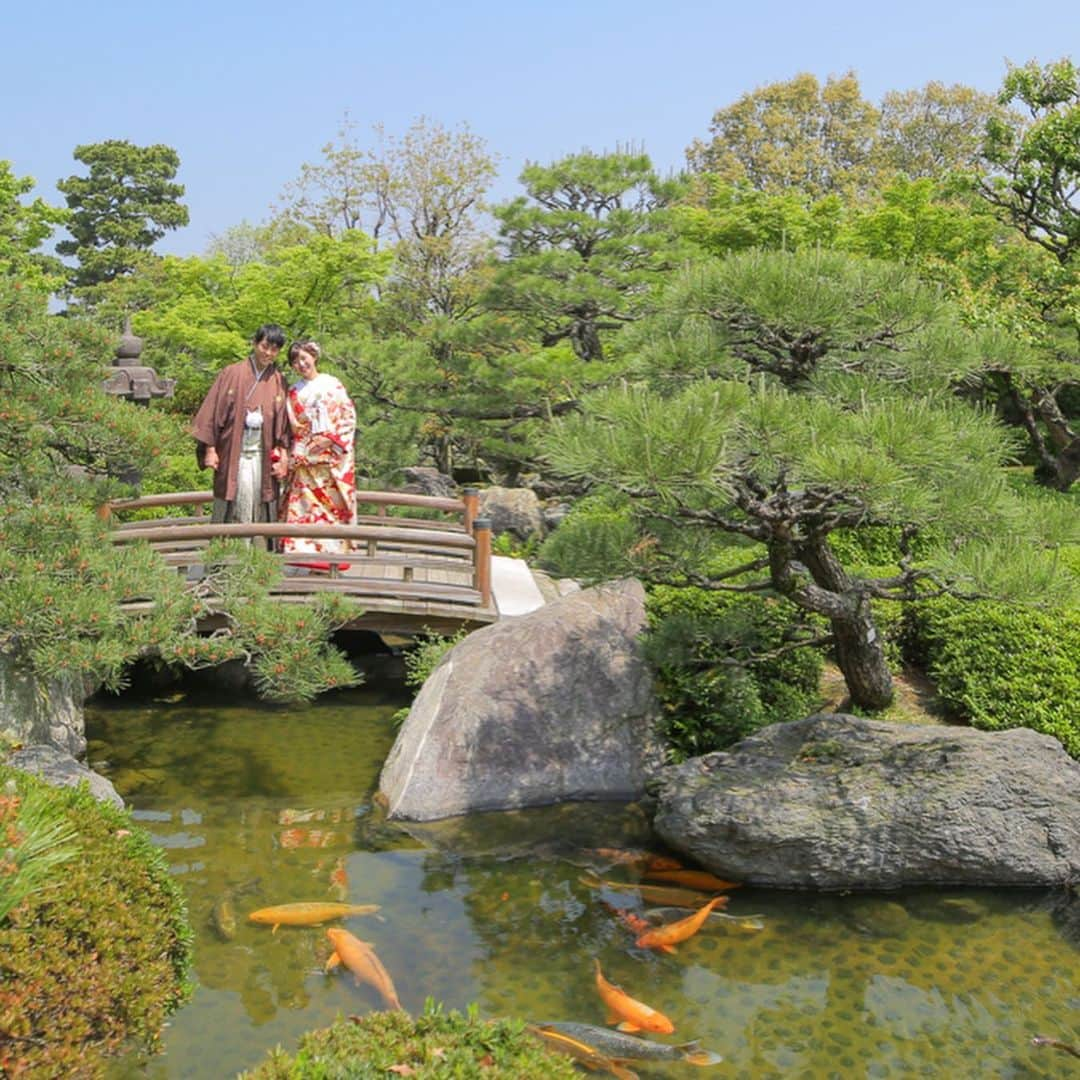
595	542
1000	666
702	645
97	956
434	1046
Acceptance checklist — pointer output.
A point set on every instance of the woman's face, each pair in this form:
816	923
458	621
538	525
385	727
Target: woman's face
305	365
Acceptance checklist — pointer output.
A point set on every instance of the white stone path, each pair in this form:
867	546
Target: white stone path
515	589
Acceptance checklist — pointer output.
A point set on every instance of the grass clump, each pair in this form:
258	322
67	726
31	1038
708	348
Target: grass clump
98	955
436	1045
35	839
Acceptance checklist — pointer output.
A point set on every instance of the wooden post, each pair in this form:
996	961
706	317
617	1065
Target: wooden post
482	559
471	497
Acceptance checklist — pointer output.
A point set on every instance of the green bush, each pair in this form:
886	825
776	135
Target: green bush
1000	666
702	646
596	541
97	957
435	1046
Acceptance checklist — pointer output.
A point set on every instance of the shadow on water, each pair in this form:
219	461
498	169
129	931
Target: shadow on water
256	805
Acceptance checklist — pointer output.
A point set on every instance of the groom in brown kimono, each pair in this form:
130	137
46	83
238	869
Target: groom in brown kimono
242	433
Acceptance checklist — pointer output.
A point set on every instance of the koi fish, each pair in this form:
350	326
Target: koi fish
619	1048
359	958
641	861
667	936
748	923
634	1015
693	879
307	914
564	1043
223	916
668	895
633	922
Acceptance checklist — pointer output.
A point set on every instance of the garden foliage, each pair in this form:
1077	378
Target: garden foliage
720	671
437	1045
97	957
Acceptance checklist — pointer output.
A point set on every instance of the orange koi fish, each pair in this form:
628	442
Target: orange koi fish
634	1015
307	914
665	937
581	1052
632	921
693	879
359	958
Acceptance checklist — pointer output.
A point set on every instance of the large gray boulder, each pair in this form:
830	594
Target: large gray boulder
62	770
33	710
549	707
512	510
837	802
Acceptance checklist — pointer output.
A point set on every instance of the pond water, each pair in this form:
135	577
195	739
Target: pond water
256	805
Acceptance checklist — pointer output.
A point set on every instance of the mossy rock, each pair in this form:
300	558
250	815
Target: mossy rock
97	959
434	1046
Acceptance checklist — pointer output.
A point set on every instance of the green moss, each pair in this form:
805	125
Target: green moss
97	957
435	1046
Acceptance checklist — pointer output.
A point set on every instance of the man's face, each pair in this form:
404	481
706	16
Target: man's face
265	353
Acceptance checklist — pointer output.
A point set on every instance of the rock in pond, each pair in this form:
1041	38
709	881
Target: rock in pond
837	802
549	707
62	770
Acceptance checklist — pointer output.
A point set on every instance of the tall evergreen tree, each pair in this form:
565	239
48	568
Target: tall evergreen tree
584	248
121	209
799	416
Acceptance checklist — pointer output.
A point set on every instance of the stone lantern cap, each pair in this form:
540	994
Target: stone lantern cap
133	380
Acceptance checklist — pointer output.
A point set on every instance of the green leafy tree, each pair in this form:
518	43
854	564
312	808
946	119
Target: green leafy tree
956	242
797	397
935	130
206	309
120	210
421	194
1033	183
583	248
24	227
1036	157
795	134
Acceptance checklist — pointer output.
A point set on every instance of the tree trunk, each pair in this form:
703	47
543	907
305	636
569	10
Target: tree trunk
859	652
860	657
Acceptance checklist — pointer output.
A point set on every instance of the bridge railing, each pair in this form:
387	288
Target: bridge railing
387	552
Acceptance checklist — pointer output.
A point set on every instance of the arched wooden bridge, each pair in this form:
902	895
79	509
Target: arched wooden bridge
418	562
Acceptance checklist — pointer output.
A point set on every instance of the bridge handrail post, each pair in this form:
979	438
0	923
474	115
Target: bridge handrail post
470	496
482	559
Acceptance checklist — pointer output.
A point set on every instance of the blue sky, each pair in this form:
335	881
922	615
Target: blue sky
247	92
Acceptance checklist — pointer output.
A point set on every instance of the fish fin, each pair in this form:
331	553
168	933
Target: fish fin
276	925
628	1027
702	1057
332	962
667	948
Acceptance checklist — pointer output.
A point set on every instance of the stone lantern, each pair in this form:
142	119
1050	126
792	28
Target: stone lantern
132	380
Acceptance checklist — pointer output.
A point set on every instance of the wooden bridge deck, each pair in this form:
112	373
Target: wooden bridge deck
408	574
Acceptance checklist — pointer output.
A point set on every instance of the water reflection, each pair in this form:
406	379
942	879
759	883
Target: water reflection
257	806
